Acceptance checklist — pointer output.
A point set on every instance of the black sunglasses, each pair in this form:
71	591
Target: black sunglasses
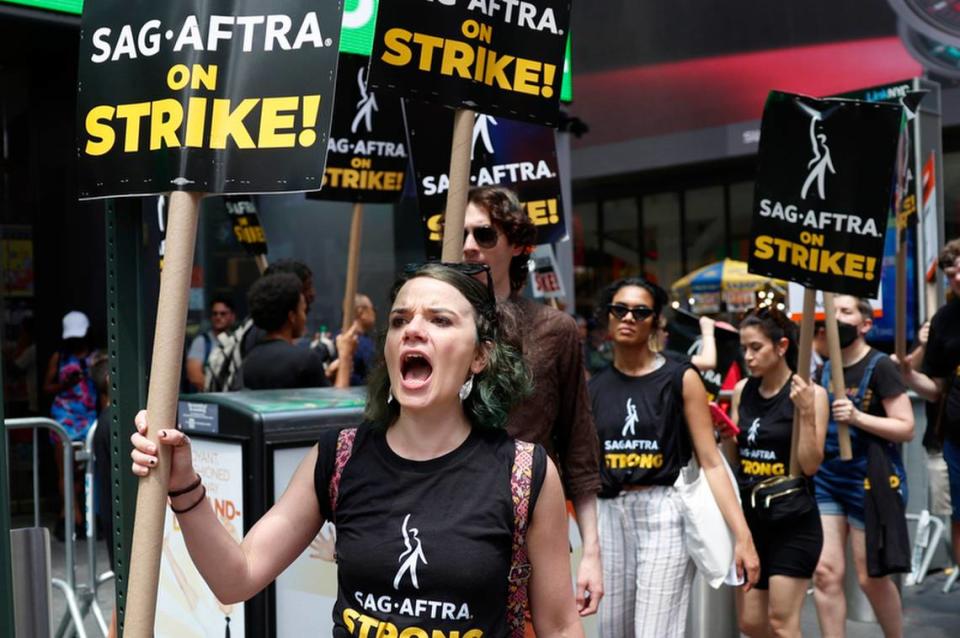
485	236
620	311
469	269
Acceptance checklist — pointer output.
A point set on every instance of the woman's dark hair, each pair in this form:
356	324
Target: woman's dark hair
607	294
272	298
503	382
774	325
505	211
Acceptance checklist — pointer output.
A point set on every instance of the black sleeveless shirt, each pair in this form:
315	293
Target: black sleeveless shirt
766	428
640	423
423	546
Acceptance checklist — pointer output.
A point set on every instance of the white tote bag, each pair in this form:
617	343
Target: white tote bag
708	539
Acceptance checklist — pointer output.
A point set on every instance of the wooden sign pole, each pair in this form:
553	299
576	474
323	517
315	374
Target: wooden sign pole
350	290
459	185
900	326
836	369
803	369
162	410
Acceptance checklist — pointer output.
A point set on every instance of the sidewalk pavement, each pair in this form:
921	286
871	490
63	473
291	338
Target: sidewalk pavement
928	612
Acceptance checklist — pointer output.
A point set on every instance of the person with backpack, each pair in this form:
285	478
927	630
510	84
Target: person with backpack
651	414
74	405
879	415
445	525
222	317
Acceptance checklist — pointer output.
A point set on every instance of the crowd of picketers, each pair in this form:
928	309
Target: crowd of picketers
483	425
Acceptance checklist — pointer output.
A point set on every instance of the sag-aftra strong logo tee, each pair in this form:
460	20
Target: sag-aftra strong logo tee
423	547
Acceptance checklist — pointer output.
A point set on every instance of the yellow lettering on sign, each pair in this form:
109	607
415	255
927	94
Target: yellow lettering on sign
468	61
819	260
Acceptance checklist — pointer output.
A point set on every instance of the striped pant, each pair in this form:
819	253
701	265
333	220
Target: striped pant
647	573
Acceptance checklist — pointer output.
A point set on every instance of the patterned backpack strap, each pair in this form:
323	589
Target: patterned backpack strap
521	479
344	449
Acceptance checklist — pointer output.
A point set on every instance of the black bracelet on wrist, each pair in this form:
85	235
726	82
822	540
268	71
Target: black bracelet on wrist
203	497
188	488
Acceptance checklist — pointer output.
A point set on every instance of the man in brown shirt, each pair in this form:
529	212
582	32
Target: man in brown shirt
498	233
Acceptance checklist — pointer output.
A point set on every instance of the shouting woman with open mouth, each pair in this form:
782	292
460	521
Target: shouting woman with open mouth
445	526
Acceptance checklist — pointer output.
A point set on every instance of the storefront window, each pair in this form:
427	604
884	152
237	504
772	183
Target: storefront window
951	202
662	238
705	226
741	209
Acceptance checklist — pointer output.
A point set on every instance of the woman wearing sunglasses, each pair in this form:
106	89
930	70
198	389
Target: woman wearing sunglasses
426	496
780	510
648	410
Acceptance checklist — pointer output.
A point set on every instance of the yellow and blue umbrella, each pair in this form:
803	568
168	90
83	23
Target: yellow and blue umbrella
727	281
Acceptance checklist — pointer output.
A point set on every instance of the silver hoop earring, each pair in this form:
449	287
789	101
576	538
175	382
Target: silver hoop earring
390	398
466	389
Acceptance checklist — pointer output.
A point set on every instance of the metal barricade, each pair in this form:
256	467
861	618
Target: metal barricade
81	599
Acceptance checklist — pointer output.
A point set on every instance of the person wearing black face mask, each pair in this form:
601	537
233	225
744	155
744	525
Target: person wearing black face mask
878	412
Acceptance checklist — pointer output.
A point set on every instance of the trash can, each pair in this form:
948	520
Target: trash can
713	612
246	447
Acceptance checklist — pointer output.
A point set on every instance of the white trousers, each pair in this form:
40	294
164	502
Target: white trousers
647	573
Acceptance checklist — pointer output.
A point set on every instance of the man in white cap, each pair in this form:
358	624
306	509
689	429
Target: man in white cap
74	394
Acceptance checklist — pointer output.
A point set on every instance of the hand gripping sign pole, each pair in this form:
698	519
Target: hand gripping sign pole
350	290
459	185
803	370
162	409
836	369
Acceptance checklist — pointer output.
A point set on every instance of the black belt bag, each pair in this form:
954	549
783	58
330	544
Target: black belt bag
781	498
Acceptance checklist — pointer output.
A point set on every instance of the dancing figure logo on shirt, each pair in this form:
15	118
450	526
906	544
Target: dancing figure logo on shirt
365	107
412	555
630	423
821	162
753	432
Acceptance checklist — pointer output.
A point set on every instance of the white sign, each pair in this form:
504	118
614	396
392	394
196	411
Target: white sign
307	590
545	277
795	300
186	608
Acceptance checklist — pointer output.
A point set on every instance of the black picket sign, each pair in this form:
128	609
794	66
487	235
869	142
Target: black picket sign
501	58
824	191
225	96
246	224
367	152
683	337
516	155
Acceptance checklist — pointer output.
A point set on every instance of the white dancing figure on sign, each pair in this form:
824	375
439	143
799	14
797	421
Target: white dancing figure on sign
411	556
481	129
821	162
365	107
630	423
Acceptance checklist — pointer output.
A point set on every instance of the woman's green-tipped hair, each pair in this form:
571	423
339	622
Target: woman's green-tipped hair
503	383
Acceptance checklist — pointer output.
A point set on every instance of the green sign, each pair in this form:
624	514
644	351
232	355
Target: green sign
66	6
359	19
566	87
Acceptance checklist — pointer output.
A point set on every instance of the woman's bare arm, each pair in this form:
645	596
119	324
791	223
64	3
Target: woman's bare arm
236	571
552	603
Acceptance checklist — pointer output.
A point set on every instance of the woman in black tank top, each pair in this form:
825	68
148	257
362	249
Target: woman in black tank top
430	498
641	407
763	408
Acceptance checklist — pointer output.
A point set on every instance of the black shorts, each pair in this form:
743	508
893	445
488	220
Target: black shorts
790	548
